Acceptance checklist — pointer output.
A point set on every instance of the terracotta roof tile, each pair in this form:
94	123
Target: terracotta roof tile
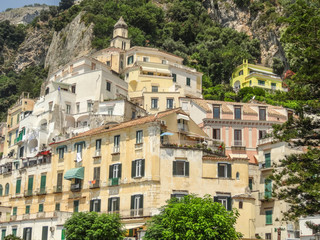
274	113
249	111
203	104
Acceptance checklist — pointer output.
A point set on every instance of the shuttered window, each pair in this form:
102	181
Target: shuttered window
95	205
269	217
30	183
96	173
40	207
180	168
267	159
14	211
44	233
137	169
114	204
137	205
224	170
76	206
115	171
226	201
18	186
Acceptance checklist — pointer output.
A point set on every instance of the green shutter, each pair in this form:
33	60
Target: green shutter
142	167
174	169
1	190
133	169
269	217
215	199
99	205
141	201
119	173
30	184
110	171
132	202
14	211
18	186
250	183
118	204
14	232
268	188
267	158
186	169
40	207
109	204
44	233
3	234
229	203
229	170
63	234
91	205
76	206
57	207
28	209
43	181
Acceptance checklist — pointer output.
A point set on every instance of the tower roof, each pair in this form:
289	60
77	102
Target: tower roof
121	24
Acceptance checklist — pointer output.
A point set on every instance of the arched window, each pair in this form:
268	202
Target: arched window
7	190
1	190
237	175
240	205
241	73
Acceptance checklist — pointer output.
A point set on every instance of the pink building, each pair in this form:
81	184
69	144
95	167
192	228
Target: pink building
241	126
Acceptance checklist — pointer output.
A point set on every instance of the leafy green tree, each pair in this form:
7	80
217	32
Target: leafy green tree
297	179
93	226
277	66
65	4
12	237
193	218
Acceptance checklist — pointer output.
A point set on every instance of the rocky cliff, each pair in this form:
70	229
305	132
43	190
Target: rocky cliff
23	15
256	20
71	42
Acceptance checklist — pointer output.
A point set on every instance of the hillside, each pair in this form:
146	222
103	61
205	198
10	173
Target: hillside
213	36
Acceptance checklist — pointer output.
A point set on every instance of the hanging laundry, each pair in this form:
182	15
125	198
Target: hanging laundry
79	158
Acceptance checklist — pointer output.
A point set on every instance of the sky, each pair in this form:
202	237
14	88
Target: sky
4	4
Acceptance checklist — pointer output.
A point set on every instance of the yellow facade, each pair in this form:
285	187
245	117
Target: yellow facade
250	75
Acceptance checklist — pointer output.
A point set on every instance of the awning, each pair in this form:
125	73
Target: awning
159	70
166	134
181	116
133	225
83	143
238	156
43	153
62	146
74	173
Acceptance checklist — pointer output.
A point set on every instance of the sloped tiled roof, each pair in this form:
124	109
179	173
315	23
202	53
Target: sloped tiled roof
202	103
249	111
274	113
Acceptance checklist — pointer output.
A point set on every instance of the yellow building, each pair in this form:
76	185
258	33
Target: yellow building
130	168
250	75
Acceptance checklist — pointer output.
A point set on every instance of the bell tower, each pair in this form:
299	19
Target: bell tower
120	35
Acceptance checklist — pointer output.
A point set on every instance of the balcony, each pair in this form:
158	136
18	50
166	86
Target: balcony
13	217
57	189
265	196
41	191
238	144
41	215
265	140
114	182
116	150
265	166
97	154
136	212
28	193
95	184
183	127
76	187
26	216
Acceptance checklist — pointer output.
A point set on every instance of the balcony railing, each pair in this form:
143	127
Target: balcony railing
116	149
114	181
264	196
183	127
238	143
28	193
76	187
265	140
57	189
136	212
41	215
26	216
265	165
95	184
97	153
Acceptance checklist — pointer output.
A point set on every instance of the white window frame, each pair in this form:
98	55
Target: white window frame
116	146
138	168
139	136
115	171
225	171
114	202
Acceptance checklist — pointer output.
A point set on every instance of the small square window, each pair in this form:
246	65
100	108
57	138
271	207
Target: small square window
262	114
261	83
180	168
154	103
216	134
146	59
155	88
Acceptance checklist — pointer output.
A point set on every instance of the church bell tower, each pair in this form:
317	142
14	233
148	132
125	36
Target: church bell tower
120	35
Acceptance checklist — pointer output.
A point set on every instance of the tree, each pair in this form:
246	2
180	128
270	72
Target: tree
65	4
12	237
93	226
296	178
193	218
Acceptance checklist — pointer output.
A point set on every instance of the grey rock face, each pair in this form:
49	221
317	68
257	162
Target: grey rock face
23	15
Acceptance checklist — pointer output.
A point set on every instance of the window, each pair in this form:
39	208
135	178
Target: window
108	86
68	108
224	170
237	137
216	134
174	77
123	46
114	204
59	182
115	171
78	107
95	205
116	147
261	83
76	206
268	217
250	82
262	134
61	150
250	183
93	66
108	63
14	232
89	106
139	135
237	113
96	173
241	73
262	114
6	191
137	168
180	168
14	211
47	91
41	207
216	112
44	233
146	59
226	201
188	82
169	103
27	233
155	88
57	208
130	60
150	73
27	209
43	183
133	115
21	151
73	88
98	147
267	160
137	205
30	185
154	103
273	86
1	190
10	136
268	236
3	233
110	111
164	62
179	195
18	186
238	176
240	205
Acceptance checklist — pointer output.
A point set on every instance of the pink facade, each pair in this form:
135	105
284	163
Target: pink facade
241	125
